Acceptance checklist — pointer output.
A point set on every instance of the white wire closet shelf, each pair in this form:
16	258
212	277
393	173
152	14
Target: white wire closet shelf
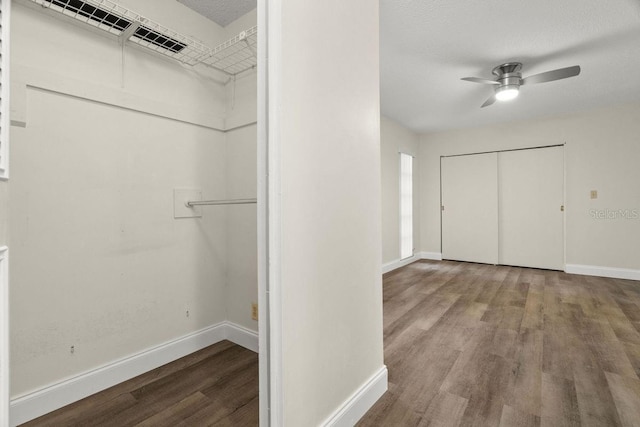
231	57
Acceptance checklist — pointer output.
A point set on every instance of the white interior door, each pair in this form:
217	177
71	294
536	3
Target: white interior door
531	193
470	208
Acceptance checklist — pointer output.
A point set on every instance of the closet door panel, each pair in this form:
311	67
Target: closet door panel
531	195
470	201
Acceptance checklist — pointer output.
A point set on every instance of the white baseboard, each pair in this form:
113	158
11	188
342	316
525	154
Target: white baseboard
591	270
393	265
242	336
436	256
55	396
348	414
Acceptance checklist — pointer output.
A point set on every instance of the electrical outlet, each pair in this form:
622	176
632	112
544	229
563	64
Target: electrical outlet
594	194
254	311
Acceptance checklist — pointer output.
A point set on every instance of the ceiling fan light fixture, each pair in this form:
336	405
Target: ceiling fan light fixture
507	93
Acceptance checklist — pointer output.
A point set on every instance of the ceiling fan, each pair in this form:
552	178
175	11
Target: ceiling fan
509	79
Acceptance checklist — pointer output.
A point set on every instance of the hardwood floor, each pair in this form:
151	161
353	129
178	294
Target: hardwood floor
483	345
216	386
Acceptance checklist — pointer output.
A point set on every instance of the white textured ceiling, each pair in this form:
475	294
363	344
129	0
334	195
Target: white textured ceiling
222	12
426	46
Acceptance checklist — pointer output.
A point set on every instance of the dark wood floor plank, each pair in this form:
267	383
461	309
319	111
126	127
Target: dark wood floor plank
445	410
559	402
533	316
504	343
176	413
471	366
595	401
438	305
624	329
610	352
626	395
630	309
525	388
534	347
421	385
80	413
633	353
513	418
170	390
171	394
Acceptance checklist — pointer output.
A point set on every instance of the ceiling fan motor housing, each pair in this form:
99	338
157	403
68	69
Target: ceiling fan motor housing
508	75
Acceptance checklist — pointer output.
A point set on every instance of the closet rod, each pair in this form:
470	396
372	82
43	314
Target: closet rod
220	202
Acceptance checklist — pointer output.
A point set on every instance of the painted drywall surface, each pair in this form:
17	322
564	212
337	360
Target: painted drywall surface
330	229
601	153
242	245
100	263
241	100
242	238
394	139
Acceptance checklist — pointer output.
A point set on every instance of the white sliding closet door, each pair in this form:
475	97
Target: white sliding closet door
470	208
531	195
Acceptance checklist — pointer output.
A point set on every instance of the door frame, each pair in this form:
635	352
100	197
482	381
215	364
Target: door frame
269	214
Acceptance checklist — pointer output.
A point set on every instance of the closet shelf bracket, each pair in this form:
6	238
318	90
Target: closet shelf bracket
129	31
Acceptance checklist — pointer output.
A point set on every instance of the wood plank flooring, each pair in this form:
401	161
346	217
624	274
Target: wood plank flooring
482	345
216	386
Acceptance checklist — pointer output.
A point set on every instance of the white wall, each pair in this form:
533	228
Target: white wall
602	153
394	139
242	246
325	204
98	261
242	275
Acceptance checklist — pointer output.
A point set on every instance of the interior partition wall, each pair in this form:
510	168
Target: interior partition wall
504	207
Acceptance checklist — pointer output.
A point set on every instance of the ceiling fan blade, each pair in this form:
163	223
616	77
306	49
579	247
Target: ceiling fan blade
479	80
549	76
489	101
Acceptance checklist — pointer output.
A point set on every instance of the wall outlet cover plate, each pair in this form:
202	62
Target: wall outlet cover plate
180	198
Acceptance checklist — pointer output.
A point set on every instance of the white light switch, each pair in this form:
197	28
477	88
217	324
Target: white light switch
180	198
